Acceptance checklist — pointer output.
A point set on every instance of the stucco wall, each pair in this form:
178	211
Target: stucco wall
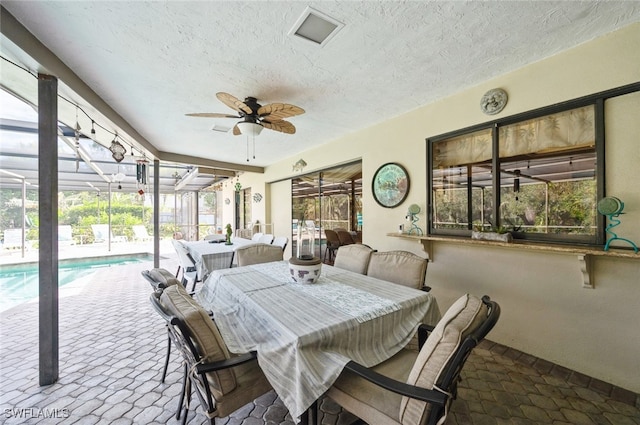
546	312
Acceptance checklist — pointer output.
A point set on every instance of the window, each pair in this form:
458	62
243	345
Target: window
538	175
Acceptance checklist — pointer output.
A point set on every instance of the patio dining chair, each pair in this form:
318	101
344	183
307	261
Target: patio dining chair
417	388
160	279
266	238
401	267
256	236
223	383
333	243
186	264
280	241
258	253
345	237
354	257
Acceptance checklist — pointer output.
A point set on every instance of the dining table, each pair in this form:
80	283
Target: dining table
305	333
214	255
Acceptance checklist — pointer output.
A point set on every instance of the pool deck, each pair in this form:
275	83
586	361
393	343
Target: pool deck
112	346
98	250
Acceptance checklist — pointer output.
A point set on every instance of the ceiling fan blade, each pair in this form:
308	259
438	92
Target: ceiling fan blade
236	130
233	102
280	125
212	115
278	111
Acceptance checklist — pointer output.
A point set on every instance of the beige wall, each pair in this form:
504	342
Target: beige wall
546	312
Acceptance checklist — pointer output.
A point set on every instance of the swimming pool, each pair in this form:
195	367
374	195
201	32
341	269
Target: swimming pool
20	283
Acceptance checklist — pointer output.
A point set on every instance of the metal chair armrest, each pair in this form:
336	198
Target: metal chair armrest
402	388
227	363
423	334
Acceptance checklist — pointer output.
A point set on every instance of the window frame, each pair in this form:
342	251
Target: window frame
598	102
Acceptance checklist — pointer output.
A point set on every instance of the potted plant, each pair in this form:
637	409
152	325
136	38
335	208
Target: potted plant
229	232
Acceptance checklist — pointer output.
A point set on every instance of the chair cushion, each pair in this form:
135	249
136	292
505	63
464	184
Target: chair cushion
163	276
251	384
258	253
354	257
464	316
369	402
401	267
205	335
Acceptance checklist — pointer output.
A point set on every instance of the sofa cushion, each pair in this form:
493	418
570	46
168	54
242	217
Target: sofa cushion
463	317
204	333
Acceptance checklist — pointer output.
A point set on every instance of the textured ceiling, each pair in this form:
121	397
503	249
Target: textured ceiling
153	62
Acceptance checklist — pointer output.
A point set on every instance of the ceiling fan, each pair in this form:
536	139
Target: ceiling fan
254	116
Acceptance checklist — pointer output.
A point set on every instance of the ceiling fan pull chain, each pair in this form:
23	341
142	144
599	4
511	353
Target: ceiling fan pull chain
247	148
254	146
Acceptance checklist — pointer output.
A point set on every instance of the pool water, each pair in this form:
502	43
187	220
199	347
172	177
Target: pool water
19	284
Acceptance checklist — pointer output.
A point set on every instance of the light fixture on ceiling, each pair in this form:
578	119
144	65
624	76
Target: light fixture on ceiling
316	27
299	165
250	128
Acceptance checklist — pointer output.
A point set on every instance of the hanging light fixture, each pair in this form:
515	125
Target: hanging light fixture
117	150
250	128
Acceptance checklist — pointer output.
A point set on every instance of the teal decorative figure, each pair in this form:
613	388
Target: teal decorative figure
612	207
412	215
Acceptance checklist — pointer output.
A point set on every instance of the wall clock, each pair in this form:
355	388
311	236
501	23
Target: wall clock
493	101
390	185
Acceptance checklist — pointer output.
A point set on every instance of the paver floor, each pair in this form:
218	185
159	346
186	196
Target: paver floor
112	346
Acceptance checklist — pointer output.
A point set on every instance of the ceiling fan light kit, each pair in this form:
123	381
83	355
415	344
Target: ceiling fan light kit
250	128
269	116
254	116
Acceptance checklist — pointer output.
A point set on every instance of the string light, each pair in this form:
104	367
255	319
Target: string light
77	129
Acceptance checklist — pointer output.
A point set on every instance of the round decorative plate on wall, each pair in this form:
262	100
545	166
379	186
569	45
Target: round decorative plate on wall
390	185
493	101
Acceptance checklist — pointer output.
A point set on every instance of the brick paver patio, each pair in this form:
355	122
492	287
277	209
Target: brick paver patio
112	346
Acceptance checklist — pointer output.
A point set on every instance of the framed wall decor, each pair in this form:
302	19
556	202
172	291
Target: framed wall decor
390	185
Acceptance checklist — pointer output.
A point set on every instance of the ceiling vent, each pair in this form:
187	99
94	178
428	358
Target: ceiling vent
316	27
220	127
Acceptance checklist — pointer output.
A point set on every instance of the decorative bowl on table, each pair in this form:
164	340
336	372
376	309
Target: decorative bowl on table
305	269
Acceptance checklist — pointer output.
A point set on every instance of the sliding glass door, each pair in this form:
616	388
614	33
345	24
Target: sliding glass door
328	199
